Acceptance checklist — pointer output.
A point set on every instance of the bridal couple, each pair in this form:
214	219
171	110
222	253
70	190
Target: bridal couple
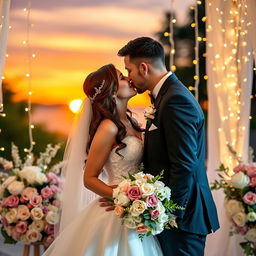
107	137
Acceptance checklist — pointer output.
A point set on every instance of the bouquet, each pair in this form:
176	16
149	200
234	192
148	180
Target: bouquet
240	200
143	202
29	203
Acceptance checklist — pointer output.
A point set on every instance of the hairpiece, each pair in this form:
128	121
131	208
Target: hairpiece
97	91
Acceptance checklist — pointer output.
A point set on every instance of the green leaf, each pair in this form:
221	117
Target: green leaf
6	193
109	199
131	177
7	239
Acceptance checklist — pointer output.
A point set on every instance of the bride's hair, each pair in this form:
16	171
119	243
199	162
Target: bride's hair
104	104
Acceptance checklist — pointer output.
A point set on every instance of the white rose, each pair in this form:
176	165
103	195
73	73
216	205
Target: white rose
251	235
37	213
159	185
137	219
30	173
16	187
240	180
138	207
8	181
251	216
162	218
116	192
23	212
158	230
24	239
233	207
240	219
33	236
52	217
139	176
147	189
52	208
38	225
163	193
122	199
167	192
160	207
11	215
41	178
130	223
123	184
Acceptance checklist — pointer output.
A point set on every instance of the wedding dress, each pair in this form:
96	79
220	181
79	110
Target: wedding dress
96	232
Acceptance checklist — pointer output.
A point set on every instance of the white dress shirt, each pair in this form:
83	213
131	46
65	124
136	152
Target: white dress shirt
159	84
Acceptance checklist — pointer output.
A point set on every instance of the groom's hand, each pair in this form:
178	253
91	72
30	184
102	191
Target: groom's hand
105	203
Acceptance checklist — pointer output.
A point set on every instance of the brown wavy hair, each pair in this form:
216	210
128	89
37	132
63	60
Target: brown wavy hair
104	104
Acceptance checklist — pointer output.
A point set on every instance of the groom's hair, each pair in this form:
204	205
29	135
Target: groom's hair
143	47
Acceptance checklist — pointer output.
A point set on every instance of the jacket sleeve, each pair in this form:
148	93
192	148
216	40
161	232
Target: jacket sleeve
180	120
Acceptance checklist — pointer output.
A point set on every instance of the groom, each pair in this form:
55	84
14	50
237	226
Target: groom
175	143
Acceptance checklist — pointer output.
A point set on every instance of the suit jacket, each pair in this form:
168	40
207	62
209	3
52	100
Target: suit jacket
177	146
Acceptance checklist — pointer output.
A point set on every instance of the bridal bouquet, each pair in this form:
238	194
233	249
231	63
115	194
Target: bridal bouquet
29	204
240	201
143	202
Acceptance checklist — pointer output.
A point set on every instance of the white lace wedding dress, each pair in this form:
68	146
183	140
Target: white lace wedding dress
96	232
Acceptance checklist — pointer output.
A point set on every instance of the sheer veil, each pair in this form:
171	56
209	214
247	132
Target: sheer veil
75	196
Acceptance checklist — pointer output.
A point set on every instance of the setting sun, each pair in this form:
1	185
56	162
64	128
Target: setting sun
74	105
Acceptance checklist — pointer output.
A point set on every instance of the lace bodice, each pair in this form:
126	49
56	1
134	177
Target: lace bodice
118	166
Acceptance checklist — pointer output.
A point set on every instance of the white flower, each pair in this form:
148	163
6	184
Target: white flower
240	180
129	223
233	207
33	236
37	213
251	235
139	176
240	219
52	217
251	216
29	173
163	193
52	208
159	229
159	185
147	189
138	207
24	239
38	225
149	112
41	178
160	207
16	187
137	219
116	192
8	181
124	184
11	215
122	199
23	212
162	218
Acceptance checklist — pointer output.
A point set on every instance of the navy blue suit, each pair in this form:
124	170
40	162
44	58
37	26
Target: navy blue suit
177	146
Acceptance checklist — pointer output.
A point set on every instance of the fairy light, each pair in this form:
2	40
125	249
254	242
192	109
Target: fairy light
171	39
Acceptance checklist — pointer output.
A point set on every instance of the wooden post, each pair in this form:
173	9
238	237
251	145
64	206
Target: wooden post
26	250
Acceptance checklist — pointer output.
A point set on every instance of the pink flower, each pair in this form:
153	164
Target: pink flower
55	189
154	214
251	170
4	221
241	230
148	176
249	198
27	192
21	227
134	193
56	203
253	182
45	210
46	192
35	200
52	178
8	165
239	168
48	240
11	201
15	235
49	229
151	201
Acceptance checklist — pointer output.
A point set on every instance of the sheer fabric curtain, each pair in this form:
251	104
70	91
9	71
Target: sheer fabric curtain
230	52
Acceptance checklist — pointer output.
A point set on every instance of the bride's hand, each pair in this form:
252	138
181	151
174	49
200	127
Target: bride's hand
105	203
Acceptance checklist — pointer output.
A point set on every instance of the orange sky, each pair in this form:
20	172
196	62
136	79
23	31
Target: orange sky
72	41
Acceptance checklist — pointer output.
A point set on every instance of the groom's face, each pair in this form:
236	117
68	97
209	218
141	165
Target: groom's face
134	74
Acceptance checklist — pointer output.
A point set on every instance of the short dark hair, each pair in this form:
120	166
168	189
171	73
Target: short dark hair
143	47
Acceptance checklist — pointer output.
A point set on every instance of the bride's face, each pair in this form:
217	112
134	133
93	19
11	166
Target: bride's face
125	89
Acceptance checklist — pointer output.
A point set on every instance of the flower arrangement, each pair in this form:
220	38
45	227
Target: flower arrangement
240	200
143	202
149	113
29	197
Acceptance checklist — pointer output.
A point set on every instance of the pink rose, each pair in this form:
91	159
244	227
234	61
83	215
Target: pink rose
21	227
251	170
8	165
15	235
55	189
27	192
11	201
148	176
134	193
49	229
56	203
253	182
239	168
154	214
249	198
151	201
4	221
52	178
45	210
48	240
46	192
35	200
241	230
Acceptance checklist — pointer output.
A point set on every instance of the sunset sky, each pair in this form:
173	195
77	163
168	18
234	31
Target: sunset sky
73	38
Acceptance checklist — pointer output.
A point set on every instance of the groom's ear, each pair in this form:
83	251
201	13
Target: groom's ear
143	68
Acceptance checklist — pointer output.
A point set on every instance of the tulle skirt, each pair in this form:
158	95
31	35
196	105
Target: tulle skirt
96	232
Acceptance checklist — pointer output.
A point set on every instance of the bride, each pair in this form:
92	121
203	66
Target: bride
113	140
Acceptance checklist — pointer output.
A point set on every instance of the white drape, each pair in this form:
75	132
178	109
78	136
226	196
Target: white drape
4	28
231	27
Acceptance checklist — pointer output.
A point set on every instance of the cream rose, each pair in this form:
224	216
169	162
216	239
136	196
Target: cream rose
24	239
30	174
130	223
240	219
8	181
233	207
122	199
159	185
147	189
116	192
23	212
41	178
11	215
52	208
52	217
251	216
139	176
138	207
38	225
240	180
251	235
1	191
27	192
16	187
158	230
37	213
33	236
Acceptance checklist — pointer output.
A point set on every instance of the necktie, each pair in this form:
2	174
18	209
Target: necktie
152	98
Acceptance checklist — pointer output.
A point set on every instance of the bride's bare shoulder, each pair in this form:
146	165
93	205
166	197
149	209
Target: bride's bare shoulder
108	127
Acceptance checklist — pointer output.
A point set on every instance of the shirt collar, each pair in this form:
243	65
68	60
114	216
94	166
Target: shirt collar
159	84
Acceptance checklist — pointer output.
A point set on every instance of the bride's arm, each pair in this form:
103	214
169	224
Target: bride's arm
101	146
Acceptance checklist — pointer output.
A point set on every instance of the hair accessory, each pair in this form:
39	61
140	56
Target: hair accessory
97	91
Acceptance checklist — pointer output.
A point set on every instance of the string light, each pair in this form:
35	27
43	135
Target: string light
171	39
